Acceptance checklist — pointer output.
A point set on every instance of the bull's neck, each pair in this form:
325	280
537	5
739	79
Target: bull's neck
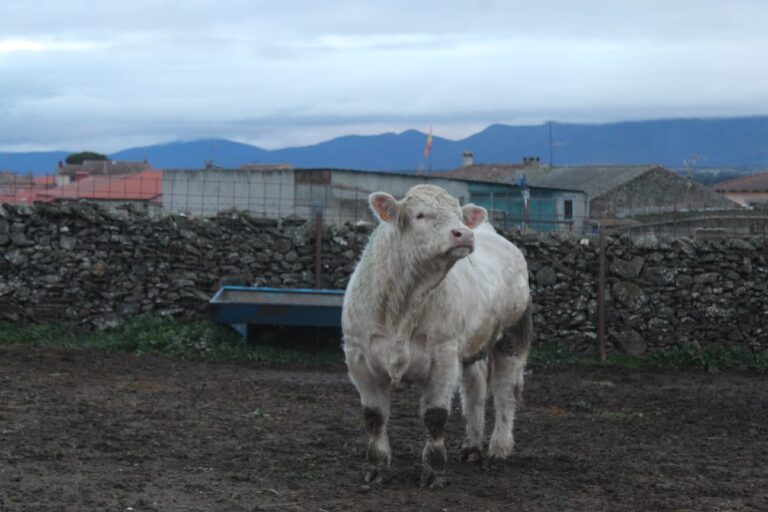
404	281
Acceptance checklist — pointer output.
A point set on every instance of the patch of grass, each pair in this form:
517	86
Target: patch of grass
710	358
582	405
258	414
147	334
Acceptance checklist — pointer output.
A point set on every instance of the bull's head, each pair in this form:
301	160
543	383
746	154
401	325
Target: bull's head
430	222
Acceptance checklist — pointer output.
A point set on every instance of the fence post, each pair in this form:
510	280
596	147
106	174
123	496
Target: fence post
601	299
318	249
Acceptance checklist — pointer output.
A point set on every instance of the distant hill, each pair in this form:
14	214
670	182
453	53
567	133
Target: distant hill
37	163
192	155
726	142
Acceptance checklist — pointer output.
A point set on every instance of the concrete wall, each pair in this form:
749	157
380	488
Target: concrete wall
342	195
207	192
347	194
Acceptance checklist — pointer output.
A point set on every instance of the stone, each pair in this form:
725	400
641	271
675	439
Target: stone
67	242
629	342
706	278
16	258
629	295
647	242
281	245
627	269
660	276
546	276
18	238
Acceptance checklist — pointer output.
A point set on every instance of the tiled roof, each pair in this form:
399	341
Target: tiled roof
104	167
45	180
143	186
22	195
484	172
753	183
592	179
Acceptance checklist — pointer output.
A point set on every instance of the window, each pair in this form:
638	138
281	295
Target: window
568	209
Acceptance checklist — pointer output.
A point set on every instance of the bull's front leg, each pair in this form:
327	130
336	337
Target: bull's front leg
474	388
375	397
435	404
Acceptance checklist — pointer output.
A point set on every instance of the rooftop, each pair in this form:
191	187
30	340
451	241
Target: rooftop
754	183
142	186
592	179
104	167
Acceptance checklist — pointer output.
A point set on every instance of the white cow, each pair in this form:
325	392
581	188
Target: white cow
438	297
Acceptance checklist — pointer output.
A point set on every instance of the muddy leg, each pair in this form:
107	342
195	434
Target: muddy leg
375	398
474	386
435	404
507	367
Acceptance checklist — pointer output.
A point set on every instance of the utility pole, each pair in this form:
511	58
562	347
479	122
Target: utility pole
550	144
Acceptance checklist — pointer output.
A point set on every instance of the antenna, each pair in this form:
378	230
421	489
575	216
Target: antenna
689	164
553	144
550	145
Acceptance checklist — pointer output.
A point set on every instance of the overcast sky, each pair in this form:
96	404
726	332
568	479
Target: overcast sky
110	74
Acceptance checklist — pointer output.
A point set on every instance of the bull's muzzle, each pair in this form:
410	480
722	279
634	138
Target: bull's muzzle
463	238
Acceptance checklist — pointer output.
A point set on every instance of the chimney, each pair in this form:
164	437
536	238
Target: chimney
468	159
533	161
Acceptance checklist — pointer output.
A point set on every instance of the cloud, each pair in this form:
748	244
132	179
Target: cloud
114	73
31	45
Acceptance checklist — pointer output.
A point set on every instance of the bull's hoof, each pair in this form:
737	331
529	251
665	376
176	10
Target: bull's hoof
499	452
471	455
432	479
375	475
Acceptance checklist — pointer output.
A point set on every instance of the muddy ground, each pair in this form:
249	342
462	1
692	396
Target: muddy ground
94	431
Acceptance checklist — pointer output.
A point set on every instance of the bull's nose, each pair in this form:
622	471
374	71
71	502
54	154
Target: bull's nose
463	236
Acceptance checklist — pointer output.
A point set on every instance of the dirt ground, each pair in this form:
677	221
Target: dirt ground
94	431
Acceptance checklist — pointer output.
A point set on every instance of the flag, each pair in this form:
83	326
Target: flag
428	149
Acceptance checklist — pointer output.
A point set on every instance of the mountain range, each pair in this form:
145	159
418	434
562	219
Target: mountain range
717	143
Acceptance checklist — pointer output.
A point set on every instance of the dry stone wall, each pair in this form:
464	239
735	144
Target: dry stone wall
83	264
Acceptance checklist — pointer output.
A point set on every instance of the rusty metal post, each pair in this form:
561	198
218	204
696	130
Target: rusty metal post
601	299
319	249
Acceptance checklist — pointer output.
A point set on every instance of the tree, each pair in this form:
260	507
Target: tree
79	158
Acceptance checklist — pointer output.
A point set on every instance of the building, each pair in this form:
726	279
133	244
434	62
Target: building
142	188
749	191
342	195
614	194
23	189
68	173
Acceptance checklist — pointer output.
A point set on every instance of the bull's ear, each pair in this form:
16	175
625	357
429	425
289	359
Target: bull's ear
384	206
473	215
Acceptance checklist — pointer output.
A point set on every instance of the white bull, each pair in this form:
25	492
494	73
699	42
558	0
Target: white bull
438	297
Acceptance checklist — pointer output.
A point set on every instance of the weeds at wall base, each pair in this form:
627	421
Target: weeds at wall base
164	336
206	341
710	358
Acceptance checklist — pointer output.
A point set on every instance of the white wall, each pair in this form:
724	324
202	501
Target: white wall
207	192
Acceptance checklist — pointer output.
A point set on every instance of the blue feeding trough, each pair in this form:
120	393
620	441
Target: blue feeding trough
245	308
